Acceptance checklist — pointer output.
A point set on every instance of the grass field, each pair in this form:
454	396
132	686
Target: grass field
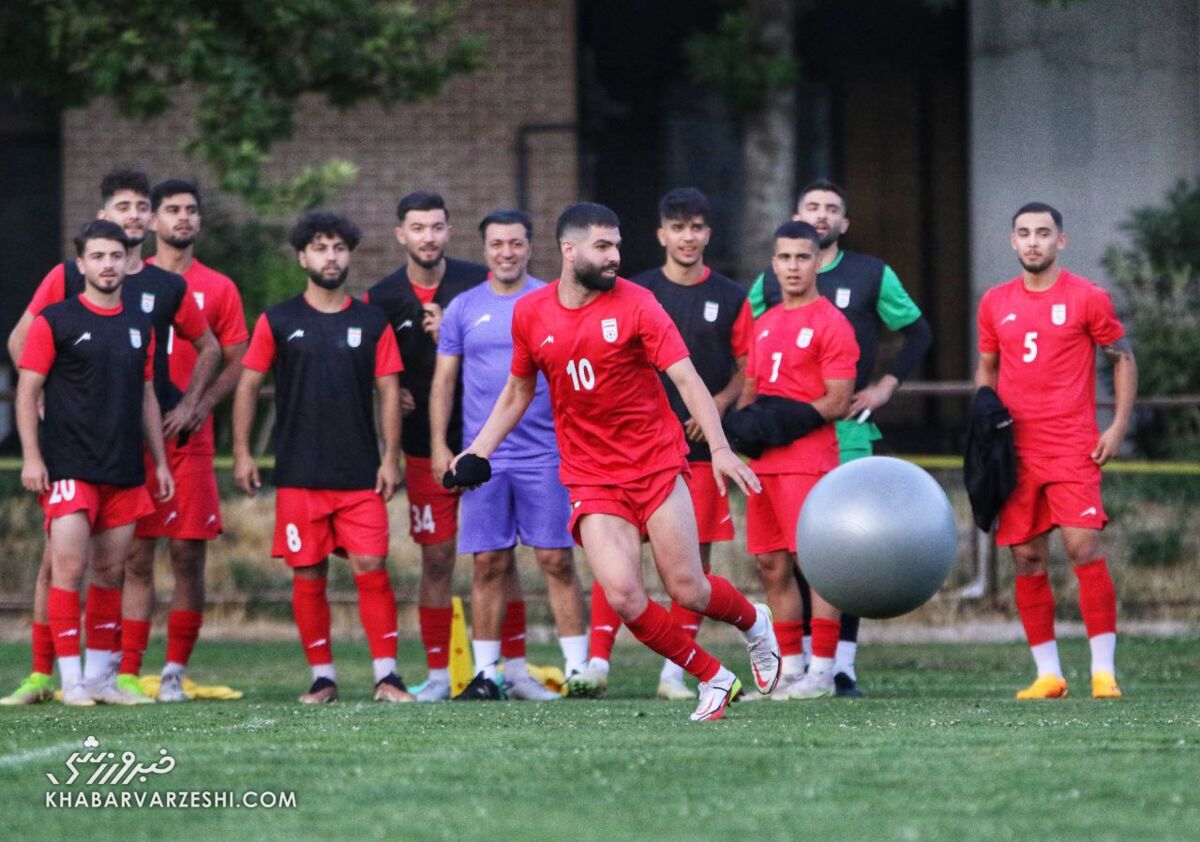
937	751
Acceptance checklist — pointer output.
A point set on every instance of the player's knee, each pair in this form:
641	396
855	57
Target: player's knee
1028	561
693	595
557	565
491	567
773	568
437	561
360	564
628	600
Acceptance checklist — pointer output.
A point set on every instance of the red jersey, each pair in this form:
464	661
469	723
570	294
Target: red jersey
1046	342
601	361
793	353
217	297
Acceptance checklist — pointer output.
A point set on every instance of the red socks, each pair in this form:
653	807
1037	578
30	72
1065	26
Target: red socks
377	611
605	624
1097	597
824	637
655	628
102	618
63	615
1035	604
311	610
728	605
687	620
183	629
43	648
135	635
435	634
512	633
790	634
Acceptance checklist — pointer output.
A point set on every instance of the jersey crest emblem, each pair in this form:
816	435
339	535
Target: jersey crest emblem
842	298
711	308
1058	314
609	328
804	339
354	336
147	302
199	296
135	337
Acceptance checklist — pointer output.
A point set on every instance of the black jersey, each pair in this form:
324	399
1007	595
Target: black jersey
94	390
394	295
325	366
707	315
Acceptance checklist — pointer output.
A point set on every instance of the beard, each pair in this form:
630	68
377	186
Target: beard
179	242
323	282
1037	268
427	264
592	277
829	239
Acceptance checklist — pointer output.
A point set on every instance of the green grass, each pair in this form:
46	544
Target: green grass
939	750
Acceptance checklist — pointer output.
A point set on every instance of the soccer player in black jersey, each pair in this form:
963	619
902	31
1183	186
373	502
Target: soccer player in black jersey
414	298
329	354
870	295
125	200
91	357
711	313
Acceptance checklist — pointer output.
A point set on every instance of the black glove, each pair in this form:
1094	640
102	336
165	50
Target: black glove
472	470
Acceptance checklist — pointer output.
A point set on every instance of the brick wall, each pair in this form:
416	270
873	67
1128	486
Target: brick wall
461	145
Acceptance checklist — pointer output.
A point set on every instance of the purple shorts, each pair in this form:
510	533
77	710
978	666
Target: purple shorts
529	502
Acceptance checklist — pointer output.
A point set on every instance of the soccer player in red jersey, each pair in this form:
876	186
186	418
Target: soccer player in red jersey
193	517
1037	348
600	341
414	298
125	197
329	354
803	351
715	322
93	361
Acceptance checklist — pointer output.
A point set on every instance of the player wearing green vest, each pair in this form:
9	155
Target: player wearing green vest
870	295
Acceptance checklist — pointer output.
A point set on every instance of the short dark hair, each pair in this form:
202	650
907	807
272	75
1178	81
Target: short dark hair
124	179
507	216
584	215
795	230
1039	207
323	222
825	185
421	200
100	229
684	203
172	187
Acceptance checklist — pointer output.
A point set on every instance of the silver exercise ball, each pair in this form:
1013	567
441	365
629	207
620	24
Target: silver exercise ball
876	537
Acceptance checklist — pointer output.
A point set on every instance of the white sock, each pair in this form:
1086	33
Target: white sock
598	664
844	660
1104	652
514	668
806	648
438	676
820	665
382	667
173	668
760	626
792	665
70	671
324	671
487	657
96	664
1045	655
671	672
574	649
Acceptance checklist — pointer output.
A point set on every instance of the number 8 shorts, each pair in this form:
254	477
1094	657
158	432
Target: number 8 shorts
311	523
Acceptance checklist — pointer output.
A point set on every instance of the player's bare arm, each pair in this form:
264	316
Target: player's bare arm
152	428
186	415
16	339
1125	378
441	405
34	475
389	475
748	393
987	371
874	396
725	463
245	402
836	400
223	386
514	399
724	399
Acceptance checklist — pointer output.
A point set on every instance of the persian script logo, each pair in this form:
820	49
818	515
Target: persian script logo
109	768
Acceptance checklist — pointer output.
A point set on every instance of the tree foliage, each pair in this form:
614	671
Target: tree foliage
244	64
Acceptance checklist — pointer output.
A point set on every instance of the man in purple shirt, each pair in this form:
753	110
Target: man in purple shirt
524	498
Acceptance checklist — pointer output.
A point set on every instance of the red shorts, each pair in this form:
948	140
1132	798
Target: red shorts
1051	492
771	516
634	501
434	509
713	518
194	513
107	506
311	523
